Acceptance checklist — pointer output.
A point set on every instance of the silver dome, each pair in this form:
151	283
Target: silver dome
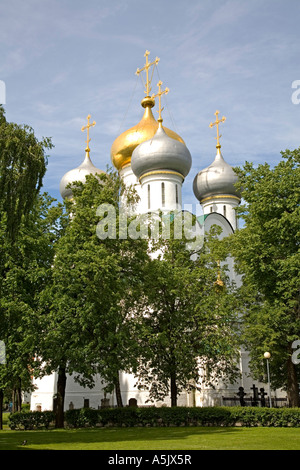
77	174
217	179
161	152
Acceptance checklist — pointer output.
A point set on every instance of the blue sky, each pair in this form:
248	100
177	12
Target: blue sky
64	59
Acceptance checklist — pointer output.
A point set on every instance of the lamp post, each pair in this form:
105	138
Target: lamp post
267	356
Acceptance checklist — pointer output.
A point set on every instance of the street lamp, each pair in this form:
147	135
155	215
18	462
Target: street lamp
267	356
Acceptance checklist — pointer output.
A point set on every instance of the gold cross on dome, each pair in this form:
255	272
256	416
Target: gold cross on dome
219	282
216	123
147	67
159	94
87	127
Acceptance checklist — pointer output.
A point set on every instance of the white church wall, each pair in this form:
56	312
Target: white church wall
224	206
42	396
161	191
130	180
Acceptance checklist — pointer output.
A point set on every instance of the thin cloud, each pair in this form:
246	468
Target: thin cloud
64	60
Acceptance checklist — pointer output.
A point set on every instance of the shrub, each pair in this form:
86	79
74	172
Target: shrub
84	417
25	406
184	416
31	419
152	416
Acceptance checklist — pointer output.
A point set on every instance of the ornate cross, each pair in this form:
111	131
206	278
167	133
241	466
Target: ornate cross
255	394
216	123
159	94
262	394
219	282
147	67
241	395
87	127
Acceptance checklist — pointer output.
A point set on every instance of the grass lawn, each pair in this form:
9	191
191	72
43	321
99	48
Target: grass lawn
166	439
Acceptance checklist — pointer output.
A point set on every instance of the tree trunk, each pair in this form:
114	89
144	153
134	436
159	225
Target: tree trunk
118	392
173	389
1	409
19	396
292	384
14	400
13	408
60	397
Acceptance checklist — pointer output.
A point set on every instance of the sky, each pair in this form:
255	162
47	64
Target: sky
64	59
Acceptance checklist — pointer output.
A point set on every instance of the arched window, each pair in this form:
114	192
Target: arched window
211	209
224	211
176	193
163	197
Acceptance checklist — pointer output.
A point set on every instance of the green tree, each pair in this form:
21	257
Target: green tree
266	251
25	268
22	168
186	323
93	281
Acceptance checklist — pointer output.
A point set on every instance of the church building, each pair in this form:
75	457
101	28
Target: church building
156	161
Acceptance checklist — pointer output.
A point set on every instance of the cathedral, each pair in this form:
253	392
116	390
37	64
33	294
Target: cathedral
155	161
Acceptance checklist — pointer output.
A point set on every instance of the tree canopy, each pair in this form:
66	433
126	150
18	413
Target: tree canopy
266	252
25	245
186	328
22	168
93	282
25	269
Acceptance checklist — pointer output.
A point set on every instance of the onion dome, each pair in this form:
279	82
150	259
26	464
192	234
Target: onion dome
86	168
78	174
161	152
124	145
217	179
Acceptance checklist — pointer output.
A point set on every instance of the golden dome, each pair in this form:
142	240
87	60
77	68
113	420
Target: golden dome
125	144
